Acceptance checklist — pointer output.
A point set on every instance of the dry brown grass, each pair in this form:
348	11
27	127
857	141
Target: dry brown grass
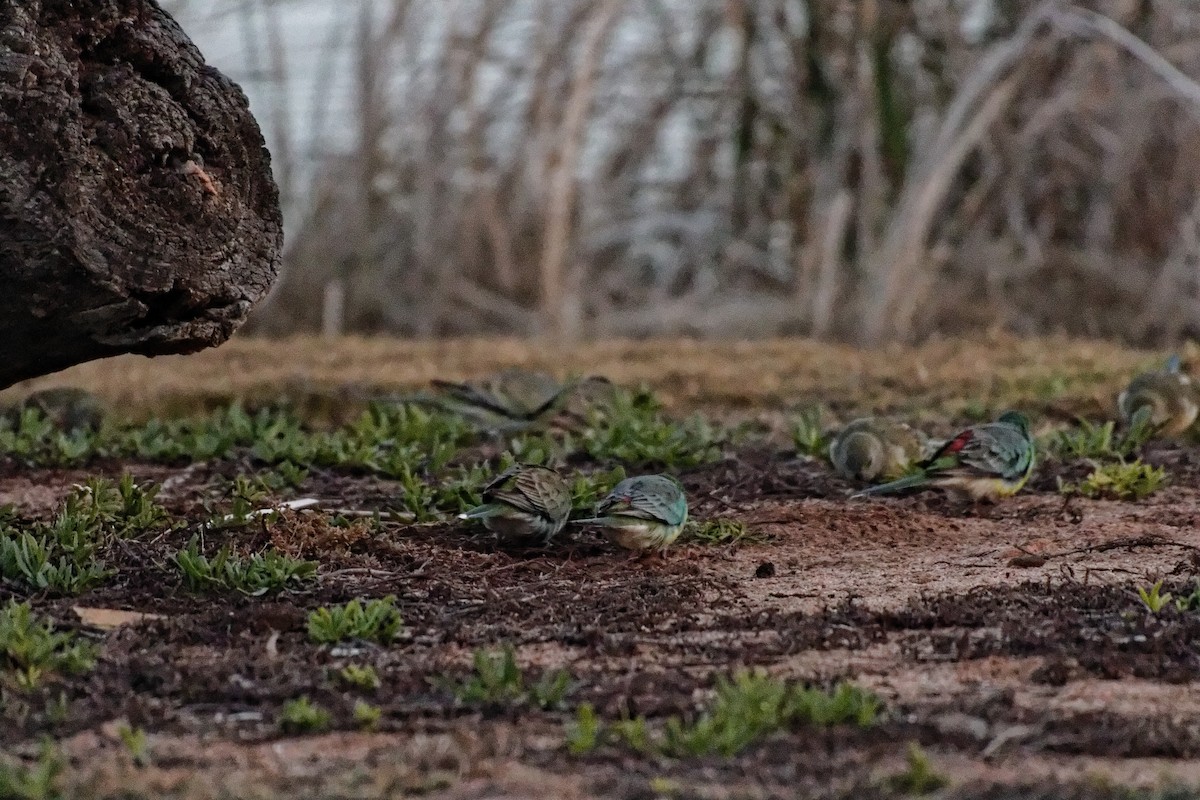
945	376
866	170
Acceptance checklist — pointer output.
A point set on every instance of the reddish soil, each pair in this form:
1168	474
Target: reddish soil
1007	640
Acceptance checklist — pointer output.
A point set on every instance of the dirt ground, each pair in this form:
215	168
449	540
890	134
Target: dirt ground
1008	641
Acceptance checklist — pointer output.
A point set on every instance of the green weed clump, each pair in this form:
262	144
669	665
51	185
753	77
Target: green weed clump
32	438
386	439
497	681
1154	598
919	776
136	743
459	489
753	705
1099	441
367	716
634	430
215	435
587	489
1190	601
1118	481
745	709
719	532
65	554
254	575
375	620
808	433
362	677
36	782
303	716
31	648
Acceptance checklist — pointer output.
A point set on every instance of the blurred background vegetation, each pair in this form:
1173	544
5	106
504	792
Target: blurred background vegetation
860	170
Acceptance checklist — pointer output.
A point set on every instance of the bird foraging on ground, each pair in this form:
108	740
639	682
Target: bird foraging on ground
524	504
983	462
1168	394
516	400
873	448
642	513
67	408
512	399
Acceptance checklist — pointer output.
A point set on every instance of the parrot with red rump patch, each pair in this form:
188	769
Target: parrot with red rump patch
983	462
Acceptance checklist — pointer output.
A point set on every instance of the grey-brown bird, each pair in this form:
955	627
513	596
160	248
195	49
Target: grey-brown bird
874	449
1168	394
67	408
512	399
526	503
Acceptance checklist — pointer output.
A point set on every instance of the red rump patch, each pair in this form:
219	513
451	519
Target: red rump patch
958	442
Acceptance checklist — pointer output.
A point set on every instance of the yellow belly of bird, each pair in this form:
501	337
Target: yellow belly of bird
979	487
641	536
1181	419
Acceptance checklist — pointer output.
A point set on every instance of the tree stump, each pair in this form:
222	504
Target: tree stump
137	209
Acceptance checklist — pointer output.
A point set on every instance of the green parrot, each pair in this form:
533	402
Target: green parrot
646	512
983	462
873	448
67	408
525	503
1168	395
511	399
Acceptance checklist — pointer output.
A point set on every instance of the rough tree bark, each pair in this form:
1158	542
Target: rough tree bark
137	208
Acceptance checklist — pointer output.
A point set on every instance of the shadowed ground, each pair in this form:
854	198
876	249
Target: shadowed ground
1009	642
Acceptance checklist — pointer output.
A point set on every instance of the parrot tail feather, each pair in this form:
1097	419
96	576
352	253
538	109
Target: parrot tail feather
480	512
907	482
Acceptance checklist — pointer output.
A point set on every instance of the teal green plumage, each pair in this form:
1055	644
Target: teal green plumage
983	462
646	512
525	503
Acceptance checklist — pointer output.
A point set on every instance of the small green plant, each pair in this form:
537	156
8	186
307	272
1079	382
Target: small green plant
285	475
30	647
633	430
752	705
583	733
1118	481
32	438
498	681
367	716
132	511
303	716
1101	441
1153	598
64	554
246	496
363	677
270	571
808	434
376	620
719	531
56	709
919	777
587	489
746	708
1190	601
36	782
136	743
